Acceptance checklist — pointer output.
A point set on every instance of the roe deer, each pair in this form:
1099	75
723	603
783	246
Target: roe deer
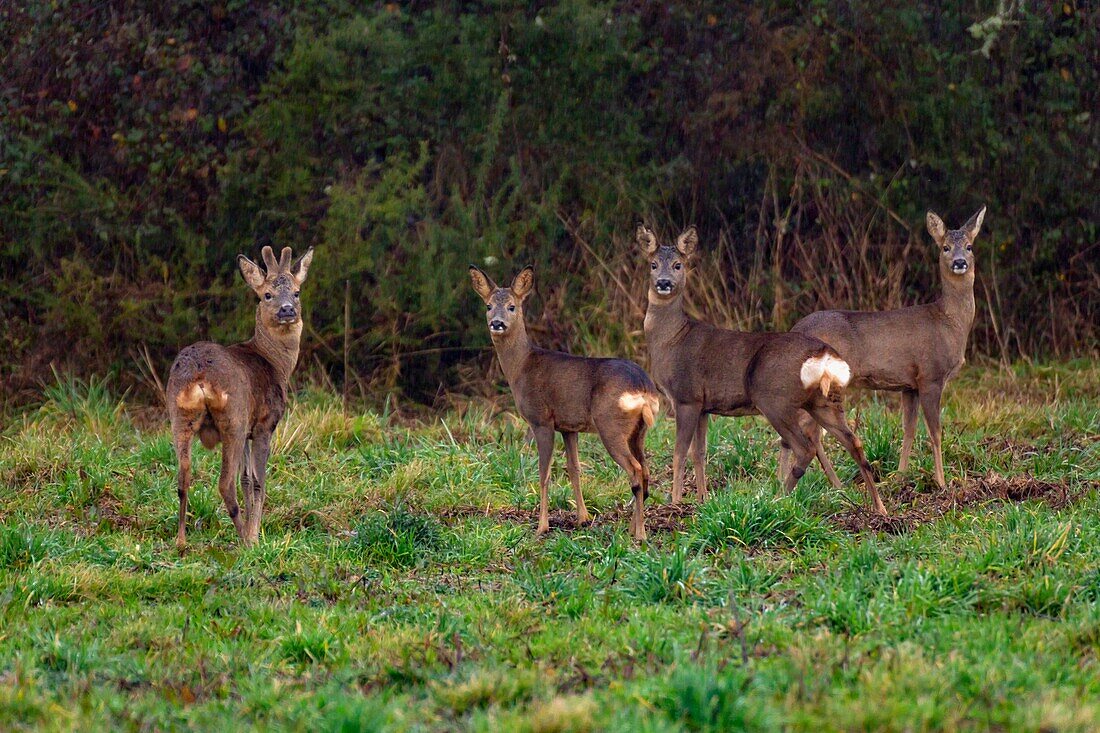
706	370
569	394
237	394
913	350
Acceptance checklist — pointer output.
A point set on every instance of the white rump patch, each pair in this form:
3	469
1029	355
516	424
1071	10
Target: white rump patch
201	394
825	371
631	401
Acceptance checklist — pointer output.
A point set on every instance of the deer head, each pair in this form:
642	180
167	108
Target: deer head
956	246
277	287
668	264
503	306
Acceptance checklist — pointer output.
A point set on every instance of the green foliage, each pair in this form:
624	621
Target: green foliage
408	140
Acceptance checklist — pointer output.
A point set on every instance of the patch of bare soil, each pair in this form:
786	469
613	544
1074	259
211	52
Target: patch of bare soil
658	517
921	508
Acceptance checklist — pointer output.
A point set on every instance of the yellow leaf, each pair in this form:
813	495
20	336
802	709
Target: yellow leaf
222	126
1065	74
72	105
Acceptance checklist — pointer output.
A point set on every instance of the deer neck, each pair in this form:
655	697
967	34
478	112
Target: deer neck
957	298
279	346
665	319
512	349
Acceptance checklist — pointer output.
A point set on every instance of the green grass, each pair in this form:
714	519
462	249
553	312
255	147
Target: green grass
398	584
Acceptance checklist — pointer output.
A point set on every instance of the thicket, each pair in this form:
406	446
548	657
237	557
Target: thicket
142	147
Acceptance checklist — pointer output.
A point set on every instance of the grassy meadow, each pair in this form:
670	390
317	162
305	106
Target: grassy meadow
398	584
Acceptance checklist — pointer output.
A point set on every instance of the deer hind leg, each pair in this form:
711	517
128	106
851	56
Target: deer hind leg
637	448
930	405
831	417
616	439
232	453
183	435
261	449
909	405
573	466
794	440
814	433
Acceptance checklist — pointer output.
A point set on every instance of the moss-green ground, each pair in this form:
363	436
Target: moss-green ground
399	584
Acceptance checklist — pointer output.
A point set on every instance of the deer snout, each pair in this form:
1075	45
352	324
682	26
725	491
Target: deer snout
959	265
287	313
663	286
497	326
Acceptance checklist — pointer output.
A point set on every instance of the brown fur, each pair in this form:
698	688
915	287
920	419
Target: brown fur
569	394
913	350
705	370
235	395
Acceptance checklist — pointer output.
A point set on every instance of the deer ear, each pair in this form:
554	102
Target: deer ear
935	227
646	239
299	269
687	241
524	282
252	273
973	225
483	285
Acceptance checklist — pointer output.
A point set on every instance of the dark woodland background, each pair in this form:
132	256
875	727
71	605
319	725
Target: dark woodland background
143	145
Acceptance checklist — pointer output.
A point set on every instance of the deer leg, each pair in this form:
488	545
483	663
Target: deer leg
573	467
699	458
261	449
687	418
618	445
232	449
930	405
909	406
637	448
183	482
544	439
246	481
823	457
831	417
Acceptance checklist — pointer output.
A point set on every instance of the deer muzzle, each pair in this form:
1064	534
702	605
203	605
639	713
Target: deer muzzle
959	266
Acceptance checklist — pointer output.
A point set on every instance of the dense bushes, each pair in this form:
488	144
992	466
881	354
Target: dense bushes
141	150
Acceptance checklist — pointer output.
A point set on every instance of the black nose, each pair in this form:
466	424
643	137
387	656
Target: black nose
959	264
286	311
664	284
496	325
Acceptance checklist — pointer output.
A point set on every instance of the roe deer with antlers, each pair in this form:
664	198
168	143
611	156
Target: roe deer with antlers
569	394
706	370
913	350
236	394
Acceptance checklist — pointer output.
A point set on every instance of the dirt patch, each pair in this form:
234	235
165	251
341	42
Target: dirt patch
920	508
658	517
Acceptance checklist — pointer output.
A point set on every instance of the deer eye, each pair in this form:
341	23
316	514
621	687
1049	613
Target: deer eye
511	308
969	248
488	307
653	265
946	249
267	296
678	266
296	293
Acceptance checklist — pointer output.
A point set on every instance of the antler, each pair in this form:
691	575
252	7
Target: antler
269	259
284	259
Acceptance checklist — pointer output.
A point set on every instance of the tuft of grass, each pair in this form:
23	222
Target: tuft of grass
21	546
675	577
701	698
398	537
757	521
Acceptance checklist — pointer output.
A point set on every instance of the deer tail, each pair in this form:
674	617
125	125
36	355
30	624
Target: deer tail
824	371
644	402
